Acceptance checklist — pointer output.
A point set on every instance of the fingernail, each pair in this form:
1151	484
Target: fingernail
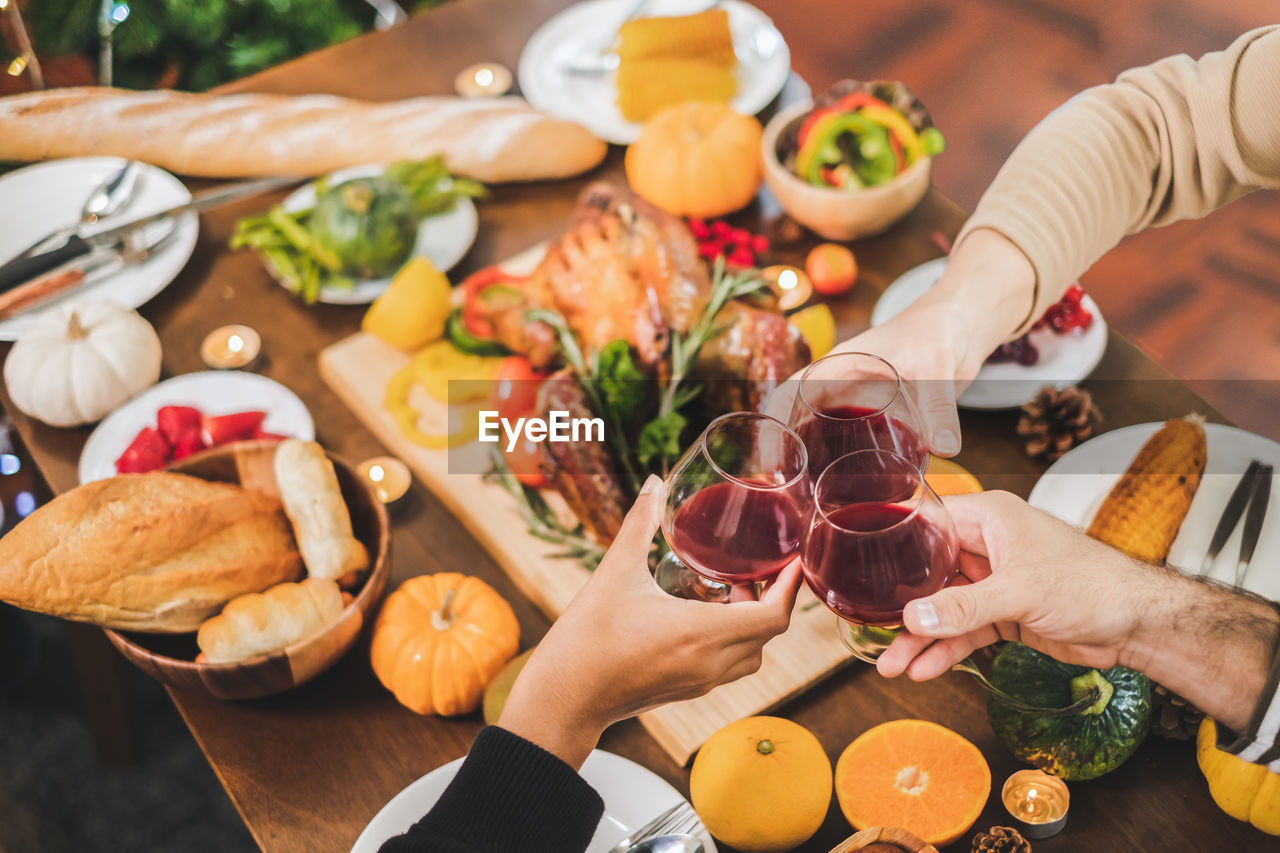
946	441
926	615
651	485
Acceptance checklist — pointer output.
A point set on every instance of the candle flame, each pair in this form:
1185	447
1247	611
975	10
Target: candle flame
376	474
484	77
235	343
787	279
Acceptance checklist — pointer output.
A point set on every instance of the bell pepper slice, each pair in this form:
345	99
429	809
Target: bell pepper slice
475	311
857	100
897	123
407	418
872	154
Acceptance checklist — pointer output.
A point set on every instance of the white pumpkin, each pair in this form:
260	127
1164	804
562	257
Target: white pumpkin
79	361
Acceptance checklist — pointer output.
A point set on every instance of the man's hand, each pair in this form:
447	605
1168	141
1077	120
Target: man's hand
624	646
1027	576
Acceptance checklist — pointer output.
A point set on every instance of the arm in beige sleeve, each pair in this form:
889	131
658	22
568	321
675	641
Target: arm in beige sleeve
1169	141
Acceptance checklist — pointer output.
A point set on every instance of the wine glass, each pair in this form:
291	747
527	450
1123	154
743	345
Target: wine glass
736	508
856	401
878	537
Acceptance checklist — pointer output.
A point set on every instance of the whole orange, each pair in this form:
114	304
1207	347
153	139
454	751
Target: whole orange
914	774
761	784
832	268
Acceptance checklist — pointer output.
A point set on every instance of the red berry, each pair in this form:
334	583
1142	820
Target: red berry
699	228
710	251
721	229
1074	293
759	244
740	258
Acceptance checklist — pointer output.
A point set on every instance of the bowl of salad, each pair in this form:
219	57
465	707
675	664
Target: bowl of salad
854	161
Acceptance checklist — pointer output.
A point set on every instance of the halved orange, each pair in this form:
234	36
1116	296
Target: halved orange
913	774
950	478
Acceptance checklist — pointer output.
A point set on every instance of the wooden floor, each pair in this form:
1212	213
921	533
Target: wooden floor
1203	298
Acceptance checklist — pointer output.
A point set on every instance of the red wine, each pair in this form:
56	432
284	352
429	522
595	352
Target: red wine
843	429
866	561
735	534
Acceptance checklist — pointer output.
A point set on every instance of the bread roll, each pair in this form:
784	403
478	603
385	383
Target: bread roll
321	523
157	552
258	623
243	135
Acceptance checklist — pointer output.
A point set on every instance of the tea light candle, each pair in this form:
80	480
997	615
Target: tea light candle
231	347
792	285
387	476
483	80
1037	801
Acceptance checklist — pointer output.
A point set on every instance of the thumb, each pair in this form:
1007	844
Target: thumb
937	401
958	610
642	521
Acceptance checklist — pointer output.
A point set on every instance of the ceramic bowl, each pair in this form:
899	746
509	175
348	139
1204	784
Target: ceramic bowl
170	658
838	214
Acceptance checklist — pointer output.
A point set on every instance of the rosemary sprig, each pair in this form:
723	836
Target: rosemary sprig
541	520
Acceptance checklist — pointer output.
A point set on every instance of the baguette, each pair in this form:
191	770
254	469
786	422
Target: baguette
258	623
1143	512
313	501
245	135
156	552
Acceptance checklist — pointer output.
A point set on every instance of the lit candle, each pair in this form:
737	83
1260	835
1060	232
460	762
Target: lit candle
387	476
1037	801
483	80
230	347
791	285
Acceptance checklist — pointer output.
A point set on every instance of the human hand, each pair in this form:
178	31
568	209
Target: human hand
624	646
1025	576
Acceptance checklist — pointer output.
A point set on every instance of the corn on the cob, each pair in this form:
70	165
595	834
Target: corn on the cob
704	35
1146	506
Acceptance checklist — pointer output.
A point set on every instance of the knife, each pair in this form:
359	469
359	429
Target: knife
1230	516
21	270
1253	520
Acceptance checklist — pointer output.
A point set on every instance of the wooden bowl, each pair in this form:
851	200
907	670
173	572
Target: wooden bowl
881	839
839	214
170	658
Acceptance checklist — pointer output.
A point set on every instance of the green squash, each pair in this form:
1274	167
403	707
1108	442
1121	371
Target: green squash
369	223
1084	745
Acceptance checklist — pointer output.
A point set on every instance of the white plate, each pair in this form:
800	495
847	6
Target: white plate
632	797
38	199
443	238
1065	360
1074	487
764	62
213	392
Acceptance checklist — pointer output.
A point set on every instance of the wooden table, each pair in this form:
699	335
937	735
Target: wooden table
308	769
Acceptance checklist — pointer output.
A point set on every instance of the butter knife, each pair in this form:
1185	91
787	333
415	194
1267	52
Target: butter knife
1230	516
1257	514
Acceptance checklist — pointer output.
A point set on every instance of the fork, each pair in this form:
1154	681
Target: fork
680	818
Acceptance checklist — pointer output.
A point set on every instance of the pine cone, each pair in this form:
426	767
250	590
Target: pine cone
1172	716
1000	839
1057	420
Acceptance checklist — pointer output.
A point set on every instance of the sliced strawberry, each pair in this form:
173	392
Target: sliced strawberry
191	442
261	434
224	429
147	452
175	422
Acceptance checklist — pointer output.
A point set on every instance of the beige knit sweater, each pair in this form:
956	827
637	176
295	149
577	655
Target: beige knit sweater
1169	141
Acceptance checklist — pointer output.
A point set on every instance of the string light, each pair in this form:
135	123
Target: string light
26	59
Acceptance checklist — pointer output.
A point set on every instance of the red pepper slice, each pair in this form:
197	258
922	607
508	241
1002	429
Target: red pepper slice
806	126
475	319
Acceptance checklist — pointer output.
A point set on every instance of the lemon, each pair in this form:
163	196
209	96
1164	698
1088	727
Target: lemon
413	309
818	328
762	784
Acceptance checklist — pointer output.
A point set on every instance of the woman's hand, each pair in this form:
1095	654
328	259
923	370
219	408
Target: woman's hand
624	646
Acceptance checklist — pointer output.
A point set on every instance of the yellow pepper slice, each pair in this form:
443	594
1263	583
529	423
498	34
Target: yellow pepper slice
439	362
897	123
407	417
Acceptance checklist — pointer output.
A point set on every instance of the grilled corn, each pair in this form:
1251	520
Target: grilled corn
1146	506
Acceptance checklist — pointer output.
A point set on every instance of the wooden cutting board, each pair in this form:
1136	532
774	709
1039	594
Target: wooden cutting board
358	368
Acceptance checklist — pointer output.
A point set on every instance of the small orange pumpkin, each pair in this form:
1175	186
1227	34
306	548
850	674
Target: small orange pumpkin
440	639
696	159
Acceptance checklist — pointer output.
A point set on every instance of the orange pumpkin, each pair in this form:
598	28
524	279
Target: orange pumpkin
696	159
440	639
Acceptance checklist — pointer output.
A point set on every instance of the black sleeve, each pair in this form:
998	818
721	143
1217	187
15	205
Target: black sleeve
510	796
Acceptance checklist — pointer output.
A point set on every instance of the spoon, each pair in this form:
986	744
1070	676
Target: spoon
106	199
669	844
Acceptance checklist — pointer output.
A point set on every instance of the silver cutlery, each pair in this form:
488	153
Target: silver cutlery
669	844
17	272
679	819
1248	500
1253	519
602	59
107	199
